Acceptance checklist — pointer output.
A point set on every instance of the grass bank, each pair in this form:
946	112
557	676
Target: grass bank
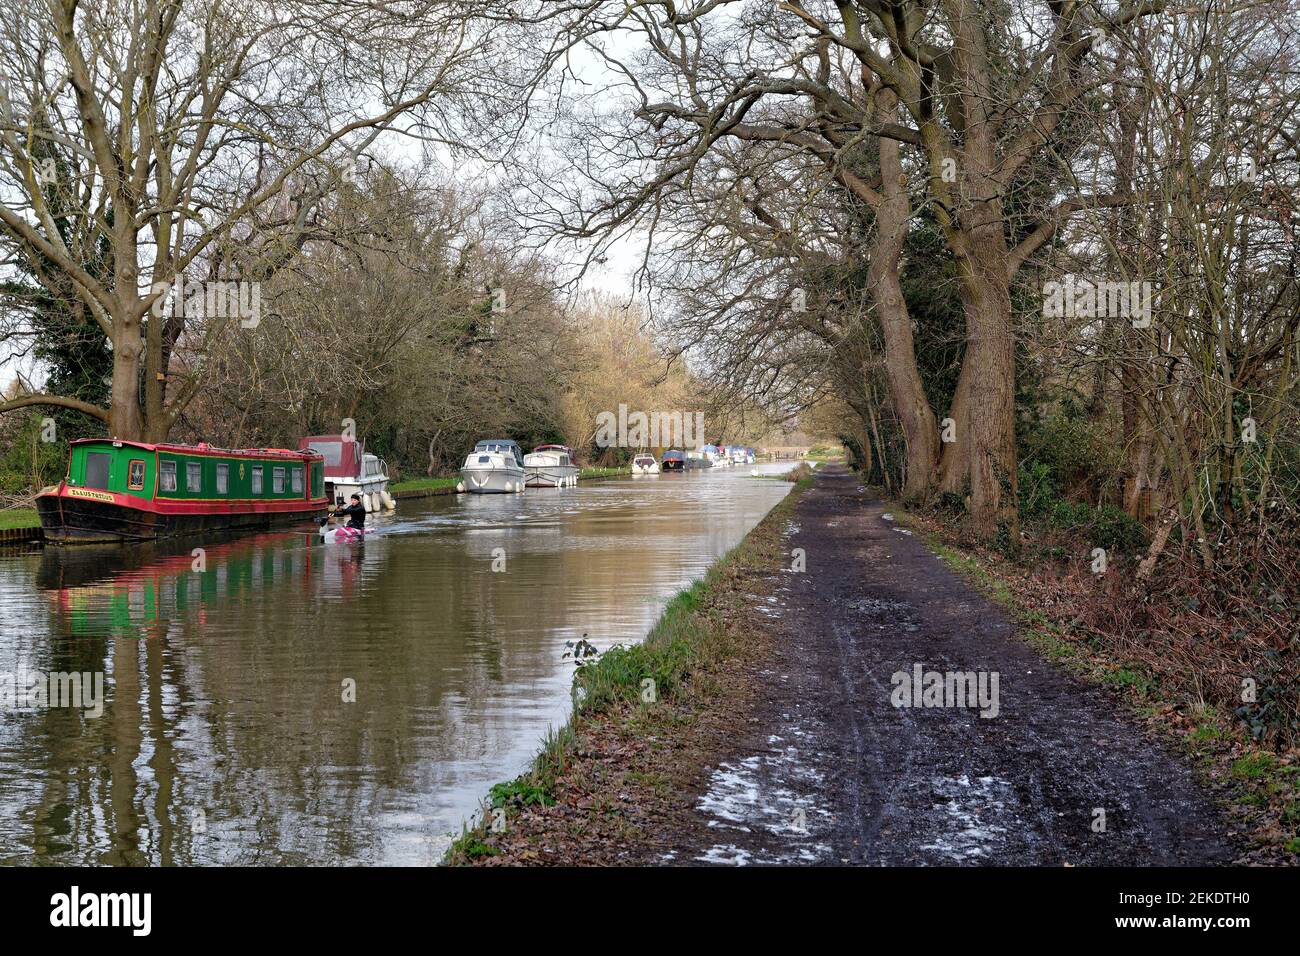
647	719
1260	784
19	518
604	472
421	484
825	454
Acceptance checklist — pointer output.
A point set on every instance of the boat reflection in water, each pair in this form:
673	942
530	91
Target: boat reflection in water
139	591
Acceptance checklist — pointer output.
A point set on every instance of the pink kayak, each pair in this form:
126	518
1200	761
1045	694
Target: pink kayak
344	535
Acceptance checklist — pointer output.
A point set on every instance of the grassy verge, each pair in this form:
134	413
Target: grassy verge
619	766
604	472
826	453
423	484
19	518
1261	787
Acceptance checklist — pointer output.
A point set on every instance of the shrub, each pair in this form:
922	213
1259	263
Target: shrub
1103	527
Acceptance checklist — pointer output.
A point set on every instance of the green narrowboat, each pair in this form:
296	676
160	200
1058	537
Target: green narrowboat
133	491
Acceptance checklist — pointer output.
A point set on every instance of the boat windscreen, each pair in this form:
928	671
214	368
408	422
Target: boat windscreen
332	451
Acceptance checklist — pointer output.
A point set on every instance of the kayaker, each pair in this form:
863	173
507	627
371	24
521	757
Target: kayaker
355	513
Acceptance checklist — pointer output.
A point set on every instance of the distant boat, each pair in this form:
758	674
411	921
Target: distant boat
135	491
495	466
672	460
550	466
645	465
351	470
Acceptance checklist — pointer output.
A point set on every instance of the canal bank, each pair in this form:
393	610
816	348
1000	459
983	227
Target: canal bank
793	742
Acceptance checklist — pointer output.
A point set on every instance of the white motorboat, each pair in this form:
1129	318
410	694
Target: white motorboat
351	470
550	466
495	466
645	465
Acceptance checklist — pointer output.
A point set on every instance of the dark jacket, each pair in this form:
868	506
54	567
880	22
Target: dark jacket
356	515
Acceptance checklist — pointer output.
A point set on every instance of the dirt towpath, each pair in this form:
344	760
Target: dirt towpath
828	770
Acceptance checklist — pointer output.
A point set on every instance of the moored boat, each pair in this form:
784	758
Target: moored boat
137	491
495	466
351	470
672	460
645	465
550	466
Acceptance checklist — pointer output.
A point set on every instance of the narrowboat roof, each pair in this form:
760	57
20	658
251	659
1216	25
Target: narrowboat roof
199	449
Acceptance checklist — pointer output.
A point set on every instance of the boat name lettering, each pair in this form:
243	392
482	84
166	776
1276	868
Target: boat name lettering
93	495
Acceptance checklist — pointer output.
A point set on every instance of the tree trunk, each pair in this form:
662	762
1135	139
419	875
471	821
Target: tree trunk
954	466
990	359
125	419
915	416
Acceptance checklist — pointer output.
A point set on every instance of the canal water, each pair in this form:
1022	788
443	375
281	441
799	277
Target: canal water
226	735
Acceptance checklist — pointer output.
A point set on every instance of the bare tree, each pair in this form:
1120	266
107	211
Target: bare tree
985	95
151	143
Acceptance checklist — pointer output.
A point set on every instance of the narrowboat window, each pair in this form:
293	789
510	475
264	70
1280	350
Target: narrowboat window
223	479
296	480
167	475
194	476
277	481
135	475
97	469
257	479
